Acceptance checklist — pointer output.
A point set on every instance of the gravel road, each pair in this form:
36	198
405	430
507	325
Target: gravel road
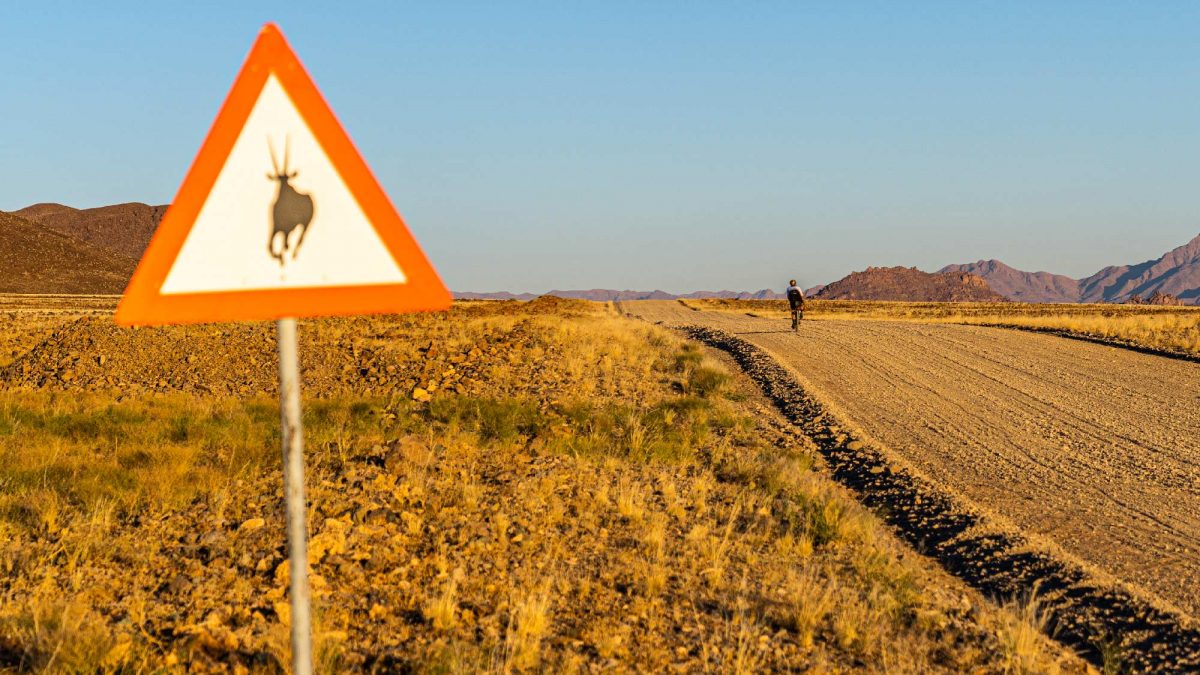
1093	448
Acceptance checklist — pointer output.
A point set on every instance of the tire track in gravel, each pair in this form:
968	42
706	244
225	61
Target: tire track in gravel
1089	447
1075	423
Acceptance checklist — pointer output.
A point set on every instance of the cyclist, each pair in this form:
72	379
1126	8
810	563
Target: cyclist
795	298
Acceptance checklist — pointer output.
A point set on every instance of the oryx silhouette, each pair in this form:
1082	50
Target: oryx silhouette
292	209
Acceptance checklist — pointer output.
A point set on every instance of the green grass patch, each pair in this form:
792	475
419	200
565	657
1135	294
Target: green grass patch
505	420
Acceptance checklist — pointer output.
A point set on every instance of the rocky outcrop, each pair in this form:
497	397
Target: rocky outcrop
910	284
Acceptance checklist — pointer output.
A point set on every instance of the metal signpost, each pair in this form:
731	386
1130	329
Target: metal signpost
292	433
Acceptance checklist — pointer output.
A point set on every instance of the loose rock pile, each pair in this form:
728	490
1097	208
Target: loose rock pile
362	355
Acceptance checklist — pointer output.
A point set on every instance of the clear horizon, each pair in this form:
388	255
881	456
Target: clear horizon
533	147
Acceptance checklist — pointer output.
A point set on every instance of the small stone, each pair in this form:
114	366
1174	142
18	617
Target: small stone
329	542
284	611
419	394
854	445
178	584
251	525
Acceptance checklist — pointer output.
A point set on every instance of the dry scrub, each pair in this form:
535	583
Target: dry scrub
506	488
1171	329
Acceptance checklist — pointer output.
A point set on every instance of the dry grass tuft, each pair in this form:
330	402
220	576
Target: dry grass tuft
1020	632
441	612
809	599
529	624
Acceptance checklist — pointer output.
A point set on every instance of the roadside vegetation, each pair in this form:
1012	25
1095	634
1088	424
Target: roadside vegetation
531	487
1172	329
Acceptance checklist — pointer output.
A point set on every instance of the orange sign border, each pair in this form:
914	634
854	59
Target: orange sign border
144	304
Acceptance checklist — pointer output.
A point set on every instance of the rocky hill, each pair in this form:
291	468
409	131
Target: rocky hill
36	259
910	284
1019	285
1176	273
121	228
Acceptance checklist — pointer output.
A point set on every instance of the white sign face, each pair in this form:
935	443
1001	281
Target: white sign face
279	216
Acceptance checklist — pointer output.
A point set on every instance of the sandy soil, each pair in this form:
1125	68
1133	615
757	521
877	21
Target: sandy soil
1092	447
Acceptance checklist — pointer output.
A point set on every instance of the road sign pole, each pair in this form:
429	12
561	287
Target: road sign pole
293	482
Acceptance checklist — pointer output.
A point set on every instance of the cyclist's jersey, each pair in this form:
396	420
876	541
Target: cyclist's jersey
795	297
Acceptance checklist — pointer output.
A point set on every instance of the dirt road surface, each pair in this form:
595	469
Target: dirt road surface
1093	448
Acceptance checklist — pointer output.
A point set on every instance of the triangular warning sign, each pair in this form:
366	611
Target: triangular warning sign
279	216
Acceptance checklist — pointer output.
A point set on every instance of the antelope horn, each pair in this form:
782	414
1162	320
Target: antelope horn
271	147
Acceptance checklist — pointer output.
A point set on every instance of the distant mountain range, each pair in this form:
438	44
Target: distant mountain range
51	248
608	295
1175	273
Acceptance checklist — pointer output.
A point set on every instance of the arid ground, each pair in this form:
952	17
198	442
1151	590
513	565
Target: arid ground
506	487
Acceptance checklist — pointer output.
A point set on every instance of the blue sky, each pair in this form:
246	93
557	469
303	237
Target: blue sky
673	145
